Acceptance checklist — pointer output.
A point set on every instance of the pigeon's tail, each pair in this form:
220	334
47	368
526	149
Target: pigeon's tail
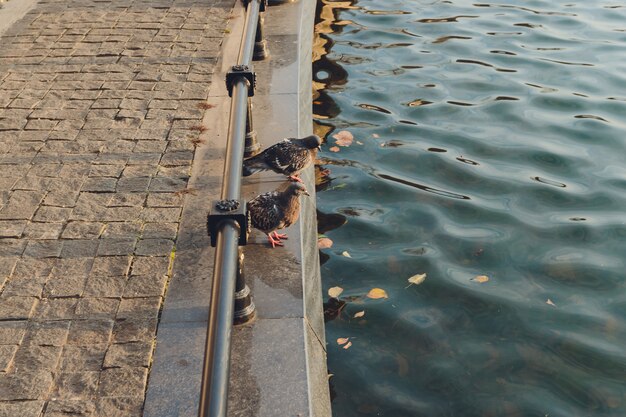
252	165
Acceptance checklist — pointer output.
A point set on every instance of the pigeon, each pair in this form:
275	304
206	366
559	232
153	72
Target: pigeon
276	210
288	157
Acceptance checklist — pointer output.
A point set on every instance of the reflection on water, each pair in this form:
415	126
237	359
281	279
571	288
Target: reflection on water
489	153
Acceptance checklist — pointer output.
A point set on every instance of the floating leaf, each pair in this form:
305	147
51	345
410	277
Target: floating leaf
324	243
347	345
346	254
335	292
344	138
375	135
359	143
343	340
339	186
480	279
359	314
334	149
416	279
376	293
550	303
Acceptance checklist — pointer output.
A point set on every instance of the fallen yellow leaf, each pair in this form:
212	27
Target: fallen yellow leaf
335	292
346	254
347	345
416	279
376	293
550	303
334	149
359	314
324	243
343	340
480	278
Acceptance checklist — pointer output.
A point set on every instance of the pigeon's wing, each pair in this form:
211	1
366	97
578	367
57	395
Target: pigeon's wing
265	212
286	157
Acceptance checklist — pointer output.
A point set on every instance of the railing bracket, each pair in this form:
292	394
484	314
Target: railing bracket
222	210
238	71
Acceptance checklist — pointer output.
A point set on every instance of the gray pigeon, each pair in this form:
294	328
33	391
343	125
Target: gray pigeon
288	157
276	210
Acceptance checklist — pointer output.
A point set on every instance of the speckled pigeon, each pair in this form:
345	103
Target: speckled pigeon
276	210
288	157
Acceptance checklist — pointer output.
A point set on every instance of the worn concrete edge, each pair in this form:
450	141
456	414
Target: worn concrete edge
315	340
12	11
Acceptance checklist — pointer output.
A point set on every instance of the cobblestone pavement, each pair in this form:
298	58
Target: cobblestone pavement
100	105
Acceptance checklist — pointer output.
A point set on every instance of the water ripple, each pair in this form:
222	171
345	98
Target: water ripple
488	141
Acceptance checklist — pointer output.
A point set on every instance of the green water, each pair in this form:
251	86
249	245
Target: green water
489	139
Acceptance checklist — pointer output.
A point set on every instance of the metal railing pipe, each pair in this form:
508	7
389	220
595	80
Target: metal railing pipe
231	187
249	35
215	373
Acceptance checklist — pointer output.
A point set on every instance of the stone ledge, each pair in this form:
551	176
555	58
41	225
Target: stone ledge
278	365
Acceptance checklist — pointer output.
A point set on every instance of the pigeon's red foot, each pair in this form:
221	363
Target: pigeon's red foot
279	236
273	241
294	178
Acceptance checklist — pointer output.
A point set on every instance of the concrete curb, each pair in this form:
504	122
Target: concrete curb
278	363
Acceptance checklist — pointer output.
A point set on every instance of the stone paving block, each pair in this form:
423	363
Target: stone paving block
87	332
30	385
61	198
100	185
7	353
140	286
21	408
111	266
120	246
134	354
82	230
79	248
119	406
16	307
22	205
70	285
97	307
70	408
122	230
43	248
128	199
52	214
29	357
47	333
12	228
161	214
12	332
121	214
154	247
166	199
146	265
138	308
43	231
25	286
72	385
56	309
167	185
123	382
134	330
160	231
83	358
105	286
